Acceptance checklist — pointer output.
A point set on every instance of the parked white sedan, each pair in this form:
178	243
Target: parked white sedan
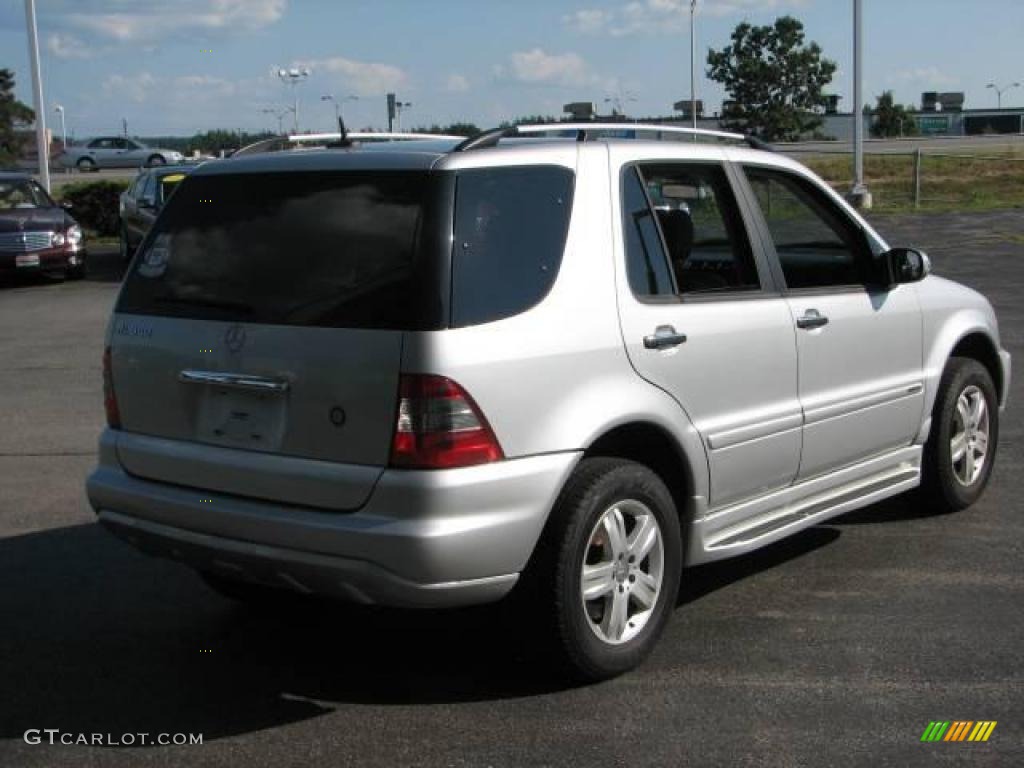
117	152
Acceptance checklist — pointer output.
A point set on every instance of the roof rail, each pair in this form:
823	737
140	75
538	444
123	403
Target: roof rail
492	137
370	136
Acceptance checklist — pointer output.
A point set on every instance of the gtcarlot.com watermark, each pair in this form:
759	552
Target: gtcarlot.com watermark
57	736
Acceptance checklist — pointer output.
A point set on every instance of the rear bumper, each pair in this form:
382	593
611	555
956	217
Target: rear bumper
424	539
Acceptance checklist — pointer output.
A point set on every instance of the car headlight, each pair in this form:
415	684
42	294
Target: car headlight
57	239
74	236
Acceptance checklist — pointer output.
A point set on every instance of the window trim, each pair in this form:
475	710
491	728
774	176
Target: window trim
867	251
770	285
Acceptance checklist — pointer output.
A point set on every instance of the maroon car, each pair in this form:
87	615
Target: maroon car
37	234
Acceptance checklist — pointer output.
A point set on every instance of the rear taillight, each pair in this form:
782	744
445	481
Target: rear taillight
109	397
439	426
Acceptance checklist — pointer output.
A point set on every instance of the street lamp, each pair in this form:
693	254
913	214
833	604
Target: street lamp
999	92
399	106
293	77
859	194
693	65
42	146
337	105
617	101
279	114
59	109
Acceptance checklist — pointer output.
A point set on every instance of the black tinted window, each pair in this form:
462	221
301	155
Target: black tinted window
324	249
510	230
702	227
646	266
817	245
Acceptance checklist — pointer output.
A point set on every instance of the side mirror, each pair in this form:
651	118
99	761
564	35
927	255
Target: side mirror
907	265
147	202
66	205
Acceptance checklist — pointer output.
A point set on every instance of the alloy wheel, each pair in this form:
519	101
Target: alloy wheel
622	573
968	447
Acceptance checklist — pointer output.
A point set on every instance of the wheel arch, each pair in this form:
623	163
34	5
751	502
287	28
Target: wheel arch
650	444
979	346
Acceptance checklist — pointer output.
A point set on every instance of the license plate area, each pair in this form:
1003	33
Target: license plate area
240	419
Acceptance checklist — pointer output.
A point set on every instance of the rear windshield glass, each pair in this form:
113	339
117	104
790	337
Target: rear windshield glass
510	230
317	249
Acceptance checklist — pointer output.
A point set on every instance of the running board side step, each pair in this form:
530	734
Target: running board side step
750	525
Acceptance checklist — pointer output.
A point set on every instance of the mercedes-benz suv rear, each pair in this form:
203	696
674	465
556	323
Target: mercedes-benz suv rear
274	413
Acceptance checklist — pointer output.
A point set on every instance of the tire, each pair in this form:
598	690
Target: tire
77	272
86	164
585	633
125	247
946	484
155	160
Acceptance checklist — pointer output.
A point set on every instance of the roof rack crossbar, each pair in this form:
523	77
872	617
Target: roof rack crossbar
584	131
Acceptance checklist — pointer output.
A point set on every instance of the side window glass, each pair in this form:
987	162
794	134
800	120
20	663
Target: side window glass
702	226
511	226
148	194
816	244
646	266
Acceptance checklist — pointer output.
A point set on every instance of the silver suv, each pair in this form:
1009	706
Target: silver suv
561	361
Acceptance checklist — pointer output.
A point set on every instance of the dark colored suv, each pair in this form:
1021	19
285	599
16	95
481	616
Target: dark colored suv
142	201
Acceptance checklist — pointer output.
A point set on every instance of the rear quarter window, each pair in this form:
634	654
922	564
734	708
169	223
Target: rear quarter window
510	230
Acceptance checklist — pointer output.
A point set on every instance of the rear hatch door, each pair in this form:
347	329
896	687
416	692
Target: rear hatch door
256	344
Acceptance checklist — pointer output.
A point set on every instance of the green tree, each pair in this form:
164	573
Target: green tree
12	113
455	129
892	119
774	80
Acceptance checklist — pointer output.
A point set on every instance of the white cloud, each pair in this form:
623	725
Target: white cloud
183	89
204	85
456	83
927	76
663	16
537	67
155	21
588	20
65	46
364	78
133	87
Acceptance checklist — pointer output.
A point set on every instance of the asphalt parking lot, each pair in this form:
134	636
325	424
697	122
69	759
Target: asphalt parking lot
836	647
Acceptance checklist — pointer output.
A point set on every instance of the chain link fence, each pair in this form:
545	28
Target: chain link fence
927	180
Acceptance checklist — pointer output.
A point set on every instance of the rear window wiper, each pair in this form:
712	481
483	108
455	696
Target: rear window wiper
225	304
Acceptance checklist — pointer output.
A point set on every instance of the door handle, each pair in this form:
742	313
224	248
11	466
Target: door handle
664	336
234	381
812	318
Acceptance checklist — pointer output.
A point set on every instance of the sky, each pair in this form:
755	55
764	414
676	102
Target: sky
175	67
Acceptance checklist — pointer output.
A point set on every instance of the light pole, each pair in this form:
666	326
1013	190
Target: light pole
399	106
859	194
42	145
693	64
999	92
338	106
618	100
279	114
293	77
59	109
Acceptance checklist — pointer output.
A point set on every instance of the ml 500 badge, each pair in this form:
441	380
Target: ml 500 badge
129	328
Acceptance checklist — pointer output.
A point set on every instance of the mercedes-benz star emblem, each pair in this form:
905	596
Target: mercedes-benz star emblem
234	338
